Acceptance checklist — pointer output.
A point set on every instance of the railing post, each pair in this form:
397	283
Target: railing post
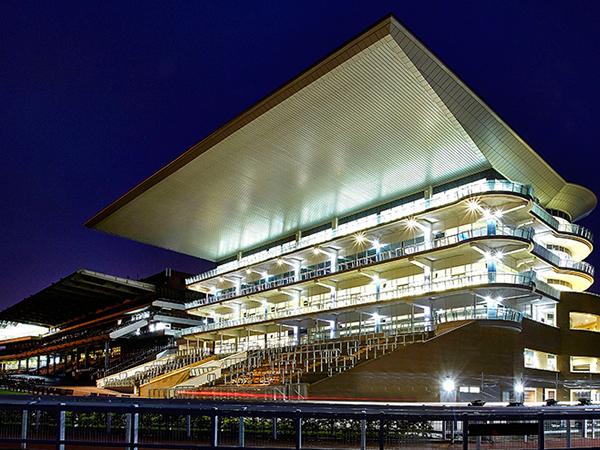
453	431
465	434
298	428
381	435
188	426
24	418
541	434
214	431
61	430
274	428
128	429
134	429
241	440
363	434
568	436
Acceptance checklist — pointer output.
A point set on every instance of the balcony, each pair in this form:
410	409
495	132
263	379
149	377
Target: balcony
386	216
324	302
478	313
387	252
392	214
563	263
569	228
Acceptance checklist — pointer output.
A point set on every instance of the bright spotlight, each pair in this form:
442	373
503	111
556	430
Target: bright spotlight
316	251
248	271
487	213
221	279
265	274
279	262
360	238
448	385
473	205
519	387
499	213
411	223
376	317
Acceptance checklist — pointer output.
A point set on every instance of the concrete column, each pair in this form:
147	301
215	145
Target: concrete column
106	354
333	332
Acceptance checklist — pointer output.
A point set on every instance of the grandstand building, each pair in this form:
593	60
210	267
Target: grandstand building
90	324
378	232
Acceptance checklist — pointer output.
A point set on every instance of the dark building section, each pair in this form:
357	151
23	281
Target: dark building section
488	360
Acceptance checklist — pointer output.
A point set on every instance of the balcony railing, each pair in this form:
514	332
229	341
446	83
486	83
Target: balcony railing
388	215
321	303
563	263
478	313
570	228
365	258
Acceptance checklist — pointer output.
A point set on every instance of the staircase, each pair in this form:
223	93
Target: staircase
306	363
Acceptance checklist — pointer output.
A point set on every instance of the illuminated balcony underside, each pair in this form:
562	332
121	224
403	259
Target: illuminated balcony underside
517	240
406	294
493	192
321	147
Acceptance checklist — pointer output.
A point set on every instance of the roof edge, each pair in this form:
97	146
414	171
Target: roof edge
345	51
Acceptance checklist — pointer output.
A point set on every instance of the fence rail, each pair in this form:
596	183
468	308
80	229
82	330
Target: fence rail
60	422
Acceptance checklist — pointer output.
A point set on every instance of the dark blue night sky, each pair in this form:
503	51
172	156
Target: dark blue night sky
96	96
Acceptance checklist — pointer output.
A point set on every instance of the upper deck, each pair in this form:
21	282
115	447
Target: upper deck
378	119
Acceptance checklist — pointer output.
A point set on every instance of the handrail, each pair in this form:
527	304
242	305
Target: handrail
406	210
498	312
388	215
360	259
570	228
526	279
563	263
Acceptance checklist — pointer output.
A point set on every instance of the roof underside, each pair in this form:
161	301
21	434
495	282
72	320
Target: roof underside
79	294
379	119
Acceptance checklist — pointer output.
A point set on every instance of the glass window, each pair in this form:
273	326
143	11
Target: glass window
584	364
534	359
584	321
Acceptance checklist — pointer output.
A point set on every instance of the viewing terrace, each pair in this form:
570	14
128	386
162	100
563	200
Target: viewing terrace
391	214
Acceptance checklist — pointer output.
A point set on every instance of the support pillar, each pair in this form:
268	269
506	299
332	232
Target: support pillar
106	354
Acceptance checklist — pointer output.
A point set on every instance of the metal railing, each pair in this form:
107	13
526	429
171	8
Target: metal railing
406	210
497	312
365	258
565	227
321	303
65	422
563	263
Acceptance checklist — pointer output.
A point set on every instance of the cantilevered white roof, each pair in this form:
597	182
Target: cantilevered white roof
378	119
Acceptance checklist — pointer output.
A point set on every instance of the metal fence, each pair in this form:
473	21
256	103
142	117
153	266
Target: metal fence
86	423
